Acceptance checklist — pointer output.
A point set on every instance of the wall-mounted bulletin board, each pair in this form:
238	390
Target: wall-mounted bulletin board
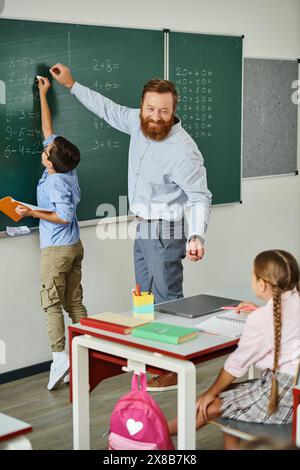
269	117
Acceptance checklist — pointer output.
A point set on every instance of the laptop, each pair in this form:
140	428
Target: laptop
195	306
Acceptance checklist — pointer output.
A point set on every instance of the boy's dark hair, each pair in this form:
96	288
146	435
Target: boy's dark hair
64	155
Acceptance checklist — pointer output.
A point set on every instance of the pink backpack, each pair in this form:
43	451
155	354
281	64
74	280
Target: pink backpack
137	422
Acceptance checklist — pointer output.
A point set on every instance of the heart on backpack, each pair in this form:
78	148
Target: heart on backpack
134	426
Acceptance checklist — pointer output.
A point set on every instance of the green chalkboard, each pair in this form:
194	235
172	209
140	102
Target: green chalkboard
115	61
207	71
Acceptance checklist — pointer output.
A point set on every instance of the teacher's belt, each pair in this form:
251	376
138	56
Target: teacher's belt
141	219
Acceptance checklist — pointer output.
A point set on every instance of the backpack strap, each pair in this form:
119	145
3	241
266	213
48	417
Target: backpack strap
135	383
143	382
135	386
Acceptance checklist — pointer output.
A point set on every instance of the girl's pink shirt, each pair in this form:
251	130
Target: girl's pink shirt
256	345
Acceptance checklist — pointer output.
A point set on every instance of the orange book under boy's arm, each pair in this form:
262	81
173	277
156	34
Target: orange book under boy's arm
8	206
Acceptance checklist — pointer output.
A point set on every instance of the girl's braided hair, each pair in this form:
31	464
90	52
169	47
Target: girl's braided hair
279	269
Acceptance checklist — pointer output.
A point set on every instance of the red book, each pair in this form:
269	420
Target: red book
104	325
115	322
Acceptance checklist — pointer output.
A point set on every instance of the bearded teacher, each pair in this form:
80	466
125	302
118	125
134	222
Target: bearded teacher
167	187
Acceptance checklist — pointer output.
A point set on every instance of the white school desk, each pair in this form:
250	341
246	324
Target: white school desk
98	354
12	432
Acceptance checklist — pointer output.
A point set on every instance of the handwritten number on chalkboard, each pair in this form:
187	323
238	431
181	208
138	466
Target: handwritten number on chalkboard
9	115
11	62
21	135
196	96
104	66
36	148
7	152
8	132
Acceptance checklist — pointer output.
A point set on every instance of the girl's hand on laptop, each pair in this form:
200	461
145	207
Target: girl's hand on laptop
246	307
24	211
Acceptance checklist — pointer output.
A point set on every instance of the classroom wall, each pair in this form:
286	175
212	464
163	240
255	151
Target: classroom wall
267	218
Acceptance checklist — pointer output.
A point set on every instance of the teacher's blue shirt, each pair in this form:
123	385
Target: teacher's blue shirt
167	178
59	192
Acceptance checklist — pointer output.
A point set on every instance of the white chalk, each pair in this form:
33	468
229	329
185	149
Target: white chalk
38	77
2	92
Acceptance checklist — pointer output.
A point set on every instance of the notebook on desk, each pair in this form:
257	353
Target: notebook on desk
225	323
195	306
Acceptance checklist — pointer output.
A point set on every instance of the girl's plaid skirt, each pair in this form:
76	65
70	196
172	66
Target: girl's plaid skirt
248	401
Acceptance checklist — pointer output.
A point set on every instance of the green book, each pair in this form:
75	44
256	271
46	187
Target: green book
165	332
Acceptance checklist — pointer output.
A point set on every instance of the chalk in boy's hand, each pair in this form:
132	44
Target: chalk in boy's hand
43	83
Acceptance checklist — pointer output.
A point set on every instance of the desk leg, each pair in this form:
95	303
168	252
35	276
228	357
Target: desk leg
186	371
186	405
81	407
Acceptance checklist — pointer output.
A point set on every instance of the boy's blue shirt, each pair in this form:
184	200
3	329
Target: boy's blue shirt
61	193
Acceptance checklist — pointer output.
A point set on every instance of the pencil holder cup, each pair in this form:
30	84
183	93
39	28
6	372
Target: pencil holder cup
143	306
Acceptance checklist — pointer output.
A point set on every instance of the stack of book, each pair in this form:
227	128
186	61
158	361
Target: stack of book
115	322
124	325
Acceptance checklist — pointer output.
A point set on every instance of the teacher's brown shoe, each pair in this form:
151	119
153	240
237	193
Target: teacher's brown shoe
162	383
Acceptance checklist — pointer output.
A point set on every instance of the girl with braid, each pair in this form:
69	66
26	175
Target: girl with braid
271	342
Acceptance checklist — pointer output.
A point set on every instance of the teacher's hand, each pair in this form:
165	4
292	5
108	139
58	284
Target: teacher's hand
195	250
62	74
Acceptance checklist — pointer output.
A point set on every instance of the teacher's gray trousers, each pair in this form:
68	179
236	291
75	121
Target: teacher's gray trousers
159	249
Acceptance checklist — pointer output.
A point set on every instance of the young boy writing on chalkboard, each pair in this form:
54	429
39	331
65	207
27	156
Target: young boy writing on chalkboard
61	248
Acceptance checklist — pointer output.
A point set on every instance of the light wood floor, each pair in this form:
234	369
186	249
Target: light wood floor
50	413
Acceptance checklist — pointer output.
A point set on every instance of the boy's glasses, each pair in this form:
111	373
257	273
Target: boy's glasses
46	153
